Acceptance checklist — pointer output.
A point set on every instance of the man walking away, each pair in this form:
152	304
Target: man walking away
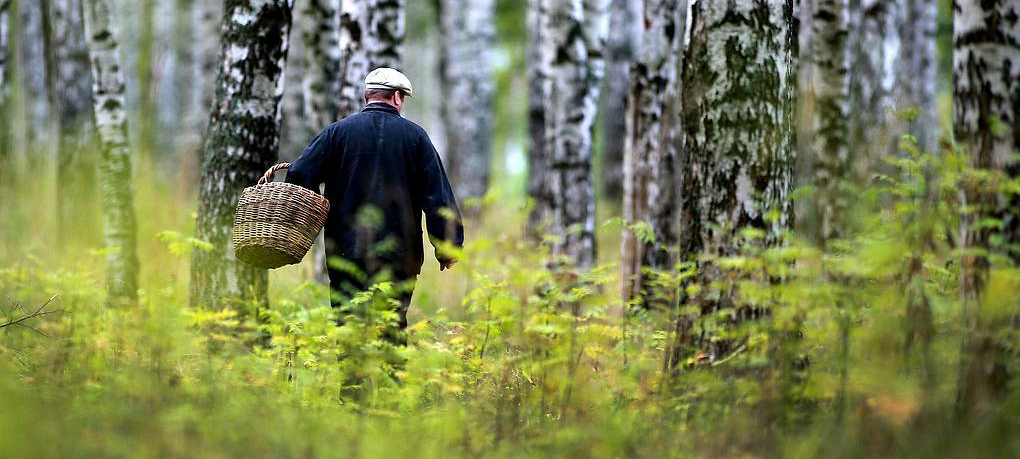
381	173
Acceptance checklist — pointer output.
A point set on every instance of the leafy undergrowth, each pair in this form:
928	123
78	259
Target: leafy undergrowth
509	359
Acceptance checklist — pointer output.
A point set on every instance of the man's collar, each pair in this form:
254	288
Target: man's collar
381	107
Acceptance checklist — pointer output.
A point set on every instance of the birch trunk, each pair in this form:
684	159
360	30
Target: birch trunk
371	36
831	85
72	103
876	52
5	91
573	45
5	7
537	193
739	79
241	143
917	73
201	74
320	86
115	163
986	123
650	161
146	117
34	122
626	21
466	35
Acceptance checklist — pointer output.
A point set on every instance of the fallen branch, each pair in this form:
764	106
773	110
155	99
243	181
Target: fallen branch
21	321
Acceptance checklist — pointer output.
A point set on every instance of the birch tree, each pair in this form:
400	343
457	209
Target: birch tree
917	73
652	139
573	41
986	123
5	90
321	84
320	89
537	193
371	36
200	73
830	156
115	162
876	50
466	34
626	21
72	104
739	80
241	143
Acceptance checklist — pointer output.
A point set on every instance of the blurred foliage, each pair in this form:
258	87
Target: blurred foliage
855	351
522	362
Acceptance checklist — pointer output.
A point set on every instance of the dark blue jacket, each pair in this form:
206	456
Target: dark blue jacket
381	173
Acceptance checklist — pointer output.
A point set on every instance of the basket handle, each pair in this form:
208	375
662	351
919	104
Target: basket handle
268	177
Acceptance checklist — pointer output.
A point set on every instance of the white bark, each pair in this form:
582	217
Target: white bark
205	45
831	85
537	192
739	80
5	6
574	34
72	103
917	73
241	144
986	124
5	91
371	36
652	139
320	87
33	122
626	23
115	164
876	54
466	35
321	83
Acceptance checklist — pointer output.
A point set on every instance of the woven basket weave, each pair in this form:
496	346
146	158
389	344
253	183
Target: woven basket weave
276	222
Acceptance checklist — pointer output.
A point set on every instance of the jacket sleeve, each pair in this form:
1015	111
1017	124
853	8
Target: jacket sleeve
442	215
310	169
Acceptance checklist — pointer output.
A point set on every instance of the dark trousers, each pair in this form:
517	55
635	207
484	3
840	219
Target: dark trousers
355	277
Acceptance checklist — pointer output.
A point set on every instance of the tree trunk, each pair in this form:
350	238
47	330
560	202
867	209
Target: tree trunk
917	73
876	51
652	138
466	35
371	36
72	104
146	117
201	74
986	123
5	91
537	193
320	87
739	80
241	143
830	156
32	121
115	163
626	21
573	44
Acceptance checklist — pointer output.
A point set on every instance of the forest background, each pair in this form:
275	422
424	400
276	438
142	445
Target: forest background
861	302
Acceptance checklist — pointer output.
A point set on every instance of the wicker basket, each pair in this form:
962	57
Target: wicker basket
276	222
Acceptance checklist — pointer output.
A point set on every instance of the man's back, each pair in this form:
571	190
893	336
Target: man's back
381	172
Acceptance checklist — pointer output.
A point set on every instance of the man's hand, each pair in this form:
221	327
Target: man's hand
444	265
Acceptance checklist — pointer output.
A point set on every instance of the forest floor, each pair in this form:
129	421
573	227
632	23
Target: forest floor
497	366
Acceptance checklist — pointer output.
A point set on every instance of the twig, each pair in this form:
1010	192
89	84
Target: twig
20	321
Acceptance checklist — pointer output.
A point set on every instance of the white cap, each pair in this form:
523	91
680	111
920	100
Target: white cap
387	78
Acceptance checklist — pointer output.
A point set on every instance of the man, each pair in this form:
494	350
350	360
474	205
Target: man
381	173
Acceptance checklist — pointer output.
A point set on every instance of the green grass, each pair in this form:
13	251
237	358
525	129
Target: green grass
498	365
